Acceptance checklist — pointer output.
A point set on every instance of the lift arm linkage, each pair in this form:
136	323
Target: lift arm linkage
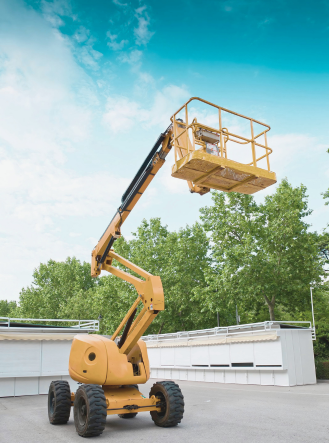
150	291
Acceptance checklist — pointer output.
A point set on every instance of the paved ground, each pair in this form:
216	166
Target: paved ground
213	413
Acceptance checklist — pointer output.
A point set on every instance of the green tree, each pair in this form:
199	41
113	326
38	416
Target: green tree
262	253
180	259
54	284
7	308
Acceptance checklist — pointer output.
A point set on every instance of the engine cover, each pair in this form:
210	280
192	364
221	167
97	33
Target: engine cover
97	360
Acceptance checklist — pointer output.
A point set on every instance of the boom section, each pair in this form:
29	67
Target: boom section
152	164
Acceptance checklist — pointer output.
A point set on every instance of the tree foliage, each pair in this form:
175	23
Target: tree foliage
262	253
7	308
54	284
180	259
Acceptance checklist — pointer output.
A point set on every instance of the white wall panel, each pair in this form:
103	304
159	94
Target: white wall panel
167	356
22	358
209	376
44	383
281	378
297	359
191	375
242	352
254	378
230	376
266	378
182	374
290	358
219	354
182	356
199	375
307	358
199	355
26	386
241	377
55	357
268	353
7	387
219	376
154	357
175	373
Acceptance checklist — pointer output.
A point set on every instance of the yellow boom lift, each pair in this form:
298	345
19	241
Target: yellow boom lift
111	368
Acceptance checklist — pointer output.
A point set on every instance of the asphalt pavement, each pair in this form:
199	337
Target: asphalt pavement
220	413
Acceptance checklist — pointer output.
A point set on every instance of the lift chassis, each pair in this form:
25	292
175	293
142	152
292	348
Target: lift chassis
110	369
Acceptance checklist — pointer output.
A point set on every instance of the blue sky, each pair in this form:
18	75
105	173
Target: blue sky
86	88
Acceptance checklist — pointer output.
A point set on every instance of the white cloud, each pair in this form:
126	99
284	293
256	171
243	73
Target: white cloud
81	34
123	113
142	33
288	149
114	44
118	3
54	10
132	58
172	185
89	56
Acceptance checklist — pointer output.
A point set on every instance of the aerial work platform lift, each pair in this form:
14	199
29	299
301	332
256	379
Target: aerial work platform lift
111	368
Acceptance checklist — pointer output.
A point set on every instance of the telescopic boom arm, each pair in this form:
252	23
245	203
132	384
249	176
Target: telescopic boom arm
150	291
135	190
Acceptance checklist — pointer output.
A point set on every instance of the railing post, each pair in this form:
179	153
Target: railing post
220	132
253	144
267	159
175	141
186	123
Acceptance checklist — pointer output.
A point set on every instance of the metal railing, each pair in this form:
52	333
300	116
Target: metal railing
229	330
90	325
224	134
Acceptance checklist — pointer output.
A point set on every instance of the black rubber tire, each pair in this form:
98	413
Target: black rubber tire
90	410
131	414
59	402
173	409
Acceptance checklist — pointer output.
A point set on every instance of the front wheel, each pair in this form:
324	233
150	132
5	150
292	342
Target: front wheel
89	410
172	404
59	402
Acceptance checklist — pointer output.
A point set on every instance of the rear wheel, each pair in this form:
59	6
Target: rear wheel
131	414
172	404
89	410
59	402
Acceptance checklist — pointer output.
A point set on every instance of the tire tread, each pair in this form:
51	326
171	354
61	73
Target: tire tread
176	404
97	410
62	409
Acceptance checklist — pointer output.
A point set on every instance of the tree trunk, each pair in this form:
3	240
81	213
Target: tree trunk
271	311
270	305
180	314
161	327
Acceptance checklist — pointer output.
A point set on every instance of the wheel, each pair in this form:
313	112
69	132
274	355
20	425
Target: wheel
131	414
89	410
59	402
172	404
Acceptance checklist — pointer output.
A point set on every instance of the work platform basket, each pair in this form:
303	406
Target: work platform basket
227	156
